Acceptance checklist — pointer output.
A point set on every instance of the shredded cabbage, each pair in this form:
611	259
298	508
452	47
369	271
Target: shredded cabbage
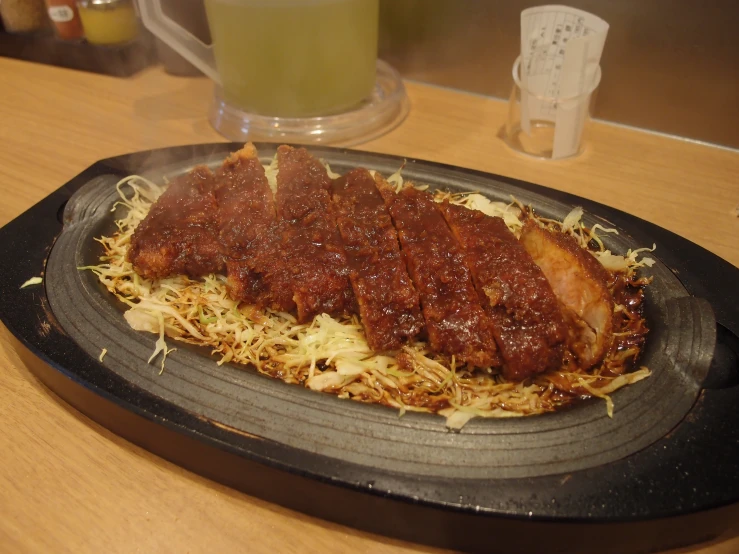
32	281
572	225
396	179
270	171
329	172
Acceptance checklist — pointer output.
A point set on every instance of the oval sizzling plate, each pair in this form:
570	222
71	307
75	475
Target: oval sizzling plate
570	474
678	351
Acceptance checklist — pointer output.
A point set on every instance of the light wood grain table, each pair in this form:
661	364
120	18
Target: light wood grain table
69	485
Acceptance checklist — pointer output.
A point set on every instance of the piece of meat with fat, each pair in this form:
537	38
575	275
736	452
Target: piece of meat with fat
179	235
581	285
312	250
529	327
456	323
248	232
388	303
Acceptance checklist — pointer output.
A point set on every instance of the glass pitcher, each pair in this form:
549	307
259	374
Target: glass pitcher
281	58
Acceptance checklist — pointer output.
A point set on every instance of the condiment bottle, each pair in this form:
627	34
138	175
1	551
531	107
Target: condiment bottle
66	19
23	16
108	21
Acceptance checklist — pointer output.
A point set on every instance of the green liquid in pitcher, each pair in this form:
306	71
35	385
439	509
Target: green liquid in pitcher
295	58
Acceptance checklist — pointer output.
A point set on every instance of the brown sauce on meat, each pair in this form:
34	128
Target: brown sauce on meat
455	320
388	303
179	236
528	325
246	223
311	247
250	234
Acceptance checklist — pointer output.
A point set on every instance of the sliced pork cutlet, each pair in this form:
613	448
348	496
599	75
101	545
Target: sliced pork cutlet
312	250
248	233
179	235
456	323
388	303
581	285
527	321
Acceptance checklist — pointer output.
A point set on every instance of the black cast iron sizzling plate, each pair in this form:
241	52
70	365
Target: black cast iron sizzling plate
662	473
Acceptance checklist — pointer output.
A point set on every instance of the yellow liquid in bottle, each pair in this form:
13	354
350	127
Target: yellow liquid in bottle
109	26
293	58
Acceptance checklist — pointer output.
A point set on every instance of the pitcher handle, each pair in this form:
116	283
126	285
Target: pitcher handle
179	39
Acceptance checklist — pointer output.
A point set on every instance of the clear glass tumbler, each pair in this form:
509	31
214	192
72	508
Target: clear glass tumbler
549	127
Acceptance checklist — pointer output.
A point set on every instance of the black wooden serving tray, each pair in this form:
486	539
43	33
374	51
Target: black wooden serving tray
661	473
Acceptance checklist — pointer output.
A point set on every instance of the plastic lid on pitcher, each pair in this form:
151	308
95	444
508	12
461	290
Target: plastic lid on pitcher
385	109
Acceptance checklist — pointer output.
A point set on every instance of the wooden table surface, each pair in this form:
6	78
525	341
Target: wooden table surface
69	485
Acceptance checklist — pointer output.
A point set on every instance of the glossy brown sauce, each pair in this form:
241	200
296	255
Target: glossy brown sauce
388	302
246	224
456	323
312	253
179	236
528	324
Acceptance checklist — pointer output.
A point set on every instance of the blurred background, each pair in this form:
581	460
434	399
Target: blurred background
670	66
